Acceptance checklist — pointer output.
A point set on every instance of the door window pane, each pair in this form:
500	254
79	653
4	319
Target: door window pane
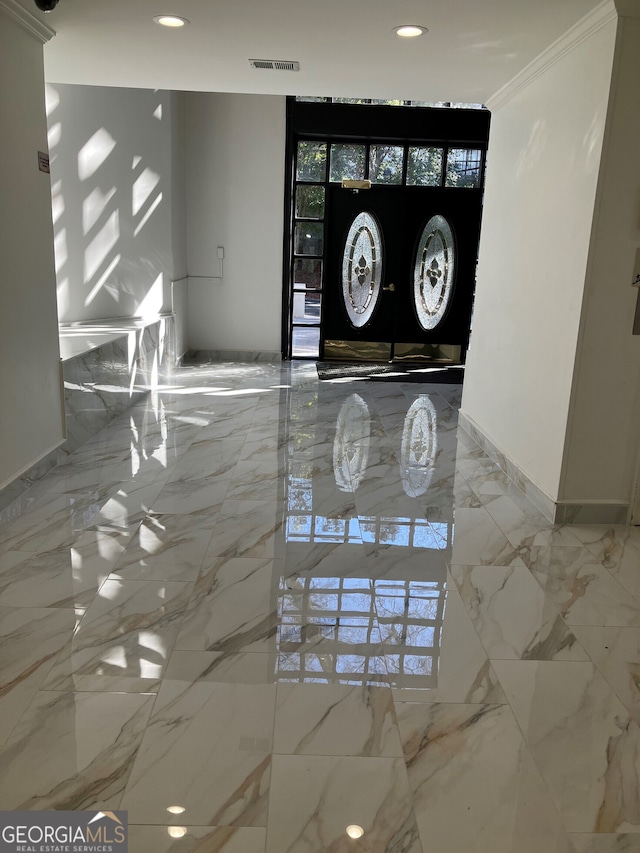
385	164
463	167
307	274
312	161
309	238
347	161
306	308
310	202
305	342
424	167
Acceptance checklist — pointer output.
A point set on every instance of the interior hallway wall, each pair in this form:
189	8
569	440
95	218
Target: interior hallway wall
543	165
31	410
235	199
115	175
603	439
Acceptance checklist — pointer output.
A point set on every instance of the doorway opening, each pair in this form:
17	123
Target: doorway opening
382	222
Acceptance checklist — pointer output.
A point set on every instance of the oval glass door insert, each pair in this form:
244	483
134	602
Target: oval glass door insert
433	272
362	269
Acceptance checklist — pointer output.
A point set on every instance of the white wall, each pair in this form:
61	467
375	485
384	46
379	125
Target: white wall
31	413
604	429
235	198
113	184
543	164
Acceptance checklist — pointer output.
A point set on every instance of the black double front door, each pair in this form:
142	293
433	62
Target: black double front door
400	272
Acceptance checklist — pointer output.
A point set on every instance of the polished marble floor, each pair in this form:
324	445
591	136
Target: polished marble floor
258	609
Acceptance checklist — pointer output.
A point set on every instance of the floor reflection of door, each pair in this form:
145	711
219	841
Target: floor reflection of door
337	623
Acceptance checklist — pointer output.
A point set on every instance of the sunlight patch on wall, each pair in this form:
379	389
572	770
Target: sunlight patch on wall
54	135
94	152
51	97
102	282
98	249
57	201
157	113
93	207
62	292
147	215
143	186
60	249
152	302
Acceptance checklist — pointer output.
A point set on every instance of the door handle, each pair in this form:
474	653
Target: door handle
391	287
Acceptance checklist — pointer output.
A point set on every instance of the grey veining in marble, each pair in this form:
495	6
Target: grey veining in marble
280	611
72	751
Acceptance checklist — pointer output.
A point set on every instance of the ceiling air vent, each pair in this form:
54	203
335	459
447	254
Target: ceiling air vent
274	64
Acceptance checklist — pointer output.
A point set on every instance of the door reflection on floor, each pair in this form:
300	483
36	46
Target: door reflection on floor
363	596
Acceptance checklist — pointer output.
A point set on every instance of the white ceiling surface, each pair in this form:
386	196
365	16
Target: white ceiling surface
345	47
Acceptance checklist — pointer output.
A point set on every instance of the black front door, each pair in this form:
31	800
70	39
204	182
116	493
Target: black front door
387	272
400	272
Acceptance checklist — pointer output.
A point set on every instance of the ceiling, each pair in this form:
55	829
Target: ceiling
346	48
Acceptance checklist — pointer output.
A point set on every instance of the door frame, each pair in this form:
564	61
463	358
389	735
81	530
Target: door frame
363	123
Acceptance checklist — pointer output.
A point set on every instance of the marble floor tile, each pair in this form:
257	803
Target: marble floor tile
587	594
256	481
30	639
166	547
520	521
322	719
54	579
241	668
290	599
434	653
184	496
72	751
207	748
125	638
233	607
605	843
196	839
51	522
479	541
208	458
584	743
466	765
324	558
617	549
127	506
314	799
616	653
512	615
248	529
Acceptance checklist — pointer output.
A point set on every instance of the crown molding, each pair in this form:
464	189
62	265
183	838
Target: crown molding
579	33
28	21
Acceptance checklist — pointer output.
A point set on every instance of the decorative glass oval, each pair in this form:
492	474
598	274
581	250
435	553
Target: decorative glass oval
434	272
362	269
419	446
351	444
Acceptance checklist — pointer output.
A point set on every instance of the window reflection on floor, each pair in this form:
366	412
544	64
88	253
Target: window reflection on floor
358	630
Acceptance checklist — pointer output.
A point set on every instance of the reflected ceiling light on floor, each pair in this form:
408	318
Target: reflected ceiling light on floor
355	831
410	31
170	20
177	831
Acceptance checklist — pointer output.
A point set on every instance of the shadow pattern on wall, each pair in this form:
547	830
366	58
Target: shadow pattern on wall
110	177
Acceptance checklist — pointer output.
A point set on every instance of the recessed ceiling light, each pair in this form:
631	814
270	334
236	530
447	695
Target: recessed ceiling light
170	20
176	809
410	31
